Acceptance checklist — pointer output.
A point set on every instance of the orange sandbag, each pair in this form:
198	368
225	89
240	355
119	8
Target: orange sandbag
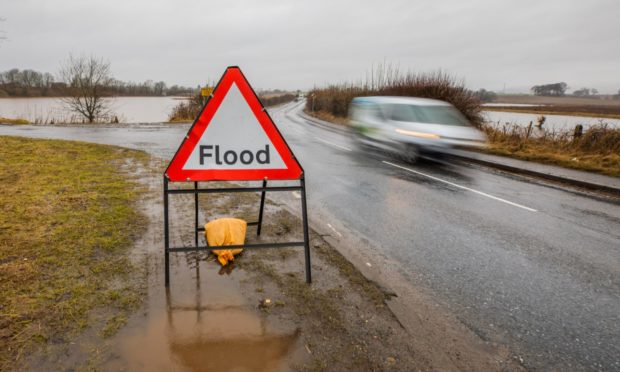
226	231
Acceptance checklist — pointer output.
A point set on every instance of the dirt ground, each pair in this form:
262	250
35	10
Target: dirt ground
259	314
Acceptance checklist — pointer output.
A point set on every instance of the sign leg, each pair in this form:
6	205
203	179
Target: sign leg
196	215
304	212
166	235
262	205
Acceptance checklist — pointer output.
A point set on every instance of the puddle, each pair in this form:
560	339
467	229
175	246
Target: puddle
203	321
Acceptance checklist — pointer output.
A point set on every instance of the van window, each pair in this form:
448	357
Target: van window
427	114
365	110
375	112
443	115
404	113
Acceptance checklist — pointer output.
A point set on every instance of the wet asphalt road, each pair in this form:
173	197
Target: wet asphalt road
522	263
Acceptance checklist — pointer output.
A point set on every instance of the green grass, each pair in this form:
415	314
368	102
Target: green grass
67	219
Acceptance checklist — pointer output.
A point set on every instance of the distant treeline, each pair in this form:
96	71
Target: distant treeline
555	89
30	83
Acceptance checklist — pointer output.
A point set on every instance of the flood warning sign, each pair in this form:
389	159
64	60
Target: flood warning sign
233	138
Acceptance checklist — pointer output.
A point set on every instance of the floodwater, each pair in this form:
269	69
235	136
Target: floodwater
160	140
552	122
510	105
127	109
157	109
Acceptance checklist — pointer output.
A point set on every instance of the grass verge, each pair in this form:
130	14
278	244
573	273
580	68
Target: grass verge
13	121
67	220
596	150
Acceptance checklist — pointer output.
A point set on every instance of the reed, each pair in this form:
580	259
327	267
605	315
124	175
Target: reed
596	149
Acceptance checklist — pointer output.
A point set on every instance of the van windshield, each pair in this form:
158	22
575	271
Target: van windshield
427	114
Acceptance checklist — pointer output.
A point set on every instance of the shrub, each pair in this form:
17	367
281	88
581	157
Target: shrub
597	139
388	81
276	100
189	109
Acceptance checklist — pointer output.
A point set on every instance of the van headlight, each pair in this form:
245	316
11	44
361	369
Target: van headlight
417	134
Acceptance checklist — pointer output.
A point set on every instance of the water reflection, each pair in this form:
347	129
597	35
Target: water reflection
204	323
128	109
552	122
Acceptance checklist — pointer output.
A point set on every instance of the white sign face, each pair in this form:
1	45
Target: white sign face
234	139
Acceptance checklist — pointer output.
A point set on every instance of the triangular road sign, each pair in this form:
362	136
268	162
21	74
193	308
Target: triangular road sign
232	139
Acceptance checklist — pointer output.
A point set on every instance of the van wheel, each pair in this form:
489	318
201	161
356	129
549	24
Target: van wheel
360	141
412	153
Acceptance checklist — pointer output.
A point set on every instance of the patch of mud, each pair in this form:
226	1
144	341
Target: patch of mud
342	318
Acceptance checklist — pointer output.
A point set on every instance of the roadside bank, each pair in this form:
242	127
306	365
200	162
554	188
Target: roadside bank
68	221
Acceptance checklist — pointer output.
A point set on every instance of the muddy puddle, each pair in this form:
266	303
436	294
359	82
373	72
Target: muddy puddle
204	321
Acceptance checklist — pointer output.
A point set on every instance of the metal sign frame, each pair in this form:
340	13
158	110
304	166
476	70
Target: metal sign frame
196	190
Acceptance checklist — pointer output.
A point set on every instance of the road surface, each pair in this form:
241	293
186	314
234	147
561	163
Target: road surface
522	263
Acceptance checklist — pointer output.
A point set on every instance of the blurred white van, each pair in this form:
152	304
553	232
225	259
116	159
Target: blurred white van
412	126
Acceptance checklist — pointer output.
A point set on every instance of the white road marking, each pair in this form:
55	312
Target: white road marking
296	194
333	144
462	187
334	230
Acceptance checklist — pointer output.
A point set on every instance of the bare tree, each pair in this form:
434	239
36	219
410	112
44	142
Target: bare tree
87	78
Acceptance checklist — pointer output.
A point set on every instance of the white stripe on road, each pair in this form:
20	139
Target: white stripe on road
462	187
333	144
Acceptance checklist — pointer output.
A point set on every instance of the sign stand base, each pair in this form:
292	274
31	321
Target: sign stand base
263	189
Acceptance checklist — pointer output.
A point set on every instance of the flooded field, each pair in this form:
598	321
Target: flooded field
511	105
127	109
156	110
552	122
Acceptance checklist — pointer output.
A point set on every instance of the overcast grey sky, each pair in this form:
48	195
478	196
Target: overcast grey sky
299	44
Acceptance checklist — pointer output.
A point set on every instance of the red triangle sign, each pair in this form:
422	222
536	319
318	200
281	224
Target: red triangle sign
233	139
